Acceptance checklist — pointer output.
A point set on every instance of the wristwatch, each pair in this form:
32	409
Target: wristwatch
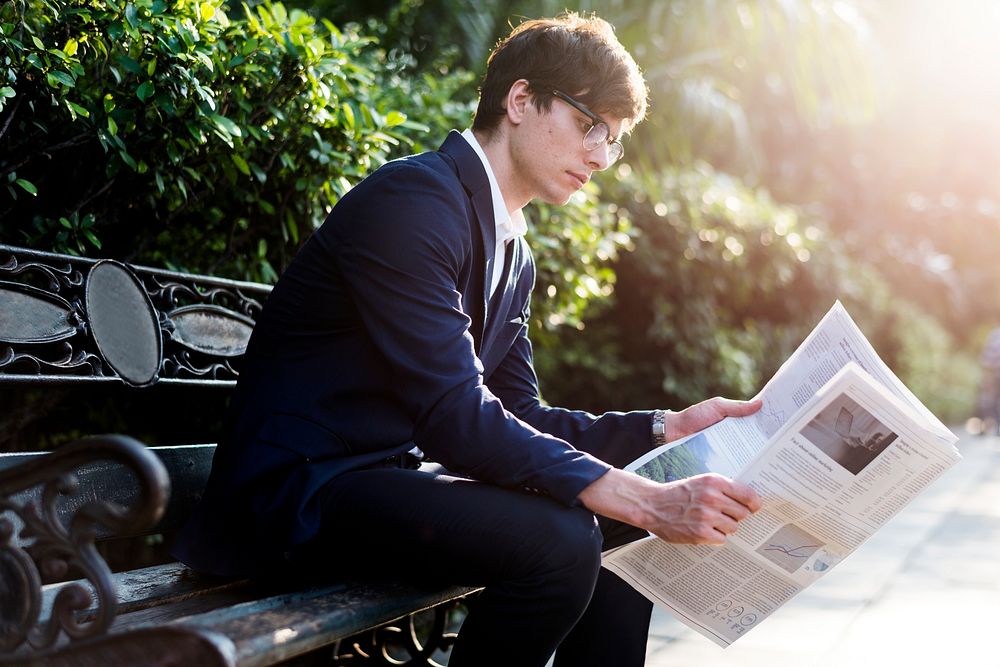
659	427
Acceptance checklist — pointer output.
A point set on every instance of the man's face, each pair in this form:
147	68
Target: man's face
548	152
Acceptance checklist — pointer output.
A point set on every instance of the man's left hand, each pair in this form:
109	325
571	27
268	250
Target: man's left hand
702	415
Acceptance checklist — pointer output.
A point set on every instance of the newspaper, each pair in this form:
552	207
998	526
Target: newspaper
838	448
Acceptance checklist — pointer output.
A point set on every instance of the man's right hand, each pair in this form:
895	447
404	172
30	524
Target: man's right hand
704	509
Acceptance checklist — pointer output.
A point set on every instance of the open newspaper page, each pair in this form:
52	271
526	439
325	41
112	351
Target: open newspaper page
835	341
847	460
834	453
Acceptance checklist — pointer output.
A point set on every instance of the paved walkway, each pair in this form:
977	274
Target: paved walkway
924	591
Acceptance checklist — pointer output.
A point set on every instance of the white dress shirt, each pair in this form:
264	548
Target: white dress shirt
509	225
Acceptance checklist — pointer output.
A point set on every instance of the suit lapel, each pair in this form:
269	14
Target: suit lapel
477	184
501	301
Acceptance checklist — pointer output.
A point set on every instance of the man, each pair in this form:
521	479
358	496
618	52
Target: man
400	328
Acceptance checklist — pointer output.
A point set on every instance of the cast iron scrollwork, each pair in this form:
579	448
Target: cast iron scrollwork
59	278
413	641
208	323
65	319
37	542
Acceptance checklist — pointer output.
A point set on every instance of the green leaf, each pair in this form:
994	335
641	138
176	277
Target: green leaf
71	46
394	118
7	91
39	43
195	132
293	229
66	223
77	109
145	91
128	159
129	64
206	11
348	112
240	163
27	186
35	61
55	78
132	15
93	239
226	125
112	126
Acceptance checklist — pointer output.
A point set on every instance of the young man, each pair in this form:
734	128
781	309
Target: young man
400	329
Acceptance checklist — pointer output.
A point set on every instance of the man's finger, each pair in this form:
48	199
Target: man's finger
735	408
745	496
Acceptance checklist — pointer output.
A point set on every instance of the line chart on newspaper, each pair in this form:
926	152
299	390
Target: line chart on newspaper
838	448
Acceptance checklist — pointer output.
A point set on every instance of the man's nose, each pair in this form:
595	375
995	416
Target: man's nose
597	158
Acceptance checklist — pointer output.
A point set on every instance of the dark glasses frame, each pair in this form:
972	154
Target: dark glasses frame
599	131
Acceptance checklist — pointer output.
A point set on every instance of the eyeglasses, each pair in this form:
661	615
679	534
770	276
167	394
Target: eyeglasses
598	133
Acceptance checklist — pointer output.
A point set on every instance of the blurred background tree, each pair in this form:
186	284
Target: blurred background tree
796	152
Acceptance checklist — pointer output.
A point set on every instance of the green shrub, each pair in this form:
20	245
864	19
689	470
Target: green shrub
166	132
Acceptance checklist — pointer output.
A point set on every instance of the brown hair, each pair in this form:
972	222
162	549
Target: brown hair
579	56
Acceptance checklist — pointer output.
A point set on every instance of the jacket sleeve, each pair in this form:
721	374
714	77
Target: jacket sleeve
402	254
617	438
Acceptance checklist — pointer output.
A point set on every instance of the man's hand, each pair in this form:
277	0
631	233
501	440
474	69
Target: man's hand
704	509
704	414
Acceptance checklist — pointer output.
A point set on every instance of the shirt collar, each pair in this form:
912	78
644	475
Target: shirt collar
509	225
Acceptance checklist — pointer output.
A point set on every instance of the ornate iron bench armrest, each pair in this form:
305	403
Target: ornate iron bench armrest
49	522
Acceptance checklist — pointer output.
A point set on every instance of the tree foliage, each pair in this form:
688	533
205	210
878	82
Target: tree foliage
166	131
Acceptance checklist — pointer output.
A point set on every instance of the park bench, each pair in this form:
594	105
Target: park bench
72	321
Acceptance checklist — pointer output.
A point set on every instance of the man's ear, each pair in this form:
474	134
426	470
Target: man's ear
518	98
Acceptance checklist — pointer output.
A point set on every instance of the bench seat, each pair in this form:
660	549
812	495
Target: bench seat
238	622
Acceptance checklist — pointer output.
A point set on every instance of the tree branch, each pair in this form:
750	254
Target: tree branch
78	139
13	112
98	193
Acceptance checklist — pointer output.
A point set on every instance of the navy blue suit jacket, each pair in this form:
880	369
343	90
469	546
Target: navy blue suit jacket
382	335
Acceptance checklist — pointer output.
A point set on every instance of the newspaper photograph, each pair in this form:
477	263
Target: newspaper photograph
830	472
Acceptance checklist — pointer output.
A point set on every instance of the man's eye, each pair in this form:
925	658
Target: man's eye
585	126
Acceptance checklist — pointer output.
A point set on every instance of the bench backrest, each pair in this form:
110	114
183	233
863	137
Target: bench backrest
66	320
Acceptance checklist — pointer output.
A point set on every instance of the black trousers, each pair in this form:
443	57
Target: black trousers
539	561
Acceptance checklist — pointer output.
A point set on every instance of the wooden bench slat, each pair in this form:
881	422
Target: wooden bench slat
155	586
283	626
264	628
